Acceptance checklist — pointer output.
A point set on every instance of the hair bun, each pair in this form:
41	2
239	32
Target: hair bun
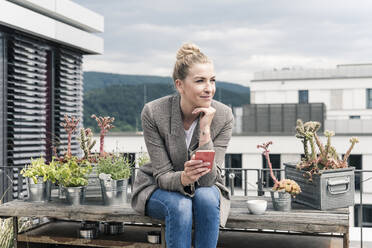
186	50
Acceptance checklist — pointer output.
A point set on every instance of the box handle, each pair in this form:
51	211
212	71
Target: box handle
333	183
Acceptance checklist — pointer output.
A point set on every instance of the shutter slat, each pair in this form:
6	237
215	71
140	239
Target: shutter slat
23	66
26	98
27	92
21	85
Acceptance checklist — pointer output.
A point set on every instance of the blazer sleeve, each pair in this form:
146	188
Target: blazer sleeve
219	145
163	172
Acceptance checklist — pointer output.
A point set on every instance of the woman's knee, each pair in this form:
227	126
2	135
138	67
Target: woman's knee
170	204
207	196
178	206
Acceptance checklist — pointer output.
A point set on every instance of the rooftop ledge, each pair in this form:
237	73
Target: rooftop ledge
23	19
66	11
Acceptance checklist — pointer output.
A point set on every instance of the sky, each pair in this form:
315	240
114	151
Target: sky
240	36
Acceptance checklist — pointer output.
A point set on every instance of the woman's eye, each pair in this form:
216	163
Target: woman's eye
213	80
200	81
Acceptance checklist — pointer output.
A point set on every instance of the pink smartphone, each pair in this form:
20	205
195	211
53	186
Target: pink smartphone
205	156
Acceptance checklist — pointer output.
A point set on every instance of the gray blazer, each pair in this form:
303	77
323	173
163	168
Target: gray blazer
165	141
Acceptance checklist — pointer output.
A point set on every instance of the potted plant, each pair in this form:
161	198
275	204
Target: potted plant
113	170
72	175
325	178
285	188
39	176
72	172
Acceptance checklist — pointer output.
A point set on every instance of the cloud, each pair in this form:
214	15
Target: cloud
241	36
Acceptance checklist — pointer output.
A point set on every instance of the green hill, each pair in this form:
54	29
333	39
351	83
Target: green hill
95	80
123	97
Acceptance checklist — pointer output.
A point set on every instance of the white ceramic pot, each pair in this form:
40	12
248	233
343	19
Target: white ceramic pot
257	206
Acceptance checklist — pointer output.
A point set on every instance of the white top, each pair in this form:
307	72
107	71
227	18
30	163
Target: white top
189	133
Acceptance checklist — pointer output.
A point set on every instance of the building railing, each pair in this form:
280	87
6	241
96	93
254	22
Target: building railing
263	181
246	181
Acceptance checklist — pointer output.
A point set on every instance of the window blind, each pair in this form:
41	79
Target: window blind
68	96
26	105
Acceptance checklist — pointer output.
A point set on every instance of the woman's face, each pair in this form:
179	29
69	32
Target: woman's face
199	86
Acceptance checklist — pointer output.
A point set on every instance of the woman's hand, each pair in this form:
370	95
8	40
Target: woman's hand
205	123
193	170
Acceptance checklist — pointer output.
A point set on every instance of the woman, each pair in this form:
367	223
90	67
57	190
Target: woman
175	187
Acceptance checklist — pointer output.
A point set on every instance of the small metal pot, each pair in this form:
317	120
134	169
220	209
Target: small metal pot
112	228
37	191
281	202
154	237
75	195
116	228
114	192
88	233
104	227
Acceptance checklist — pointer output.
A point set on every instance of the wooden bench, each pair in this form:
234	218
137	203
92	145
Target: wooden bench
300	219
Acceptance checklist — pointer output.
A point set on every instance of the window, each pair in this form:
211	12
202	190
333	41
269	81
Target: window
275	162
367	215
234	161
303	96
369	98
355	161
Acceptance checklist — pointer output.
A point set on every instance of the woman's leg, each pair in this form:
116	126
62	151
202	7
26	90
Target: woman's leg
176	210
206	207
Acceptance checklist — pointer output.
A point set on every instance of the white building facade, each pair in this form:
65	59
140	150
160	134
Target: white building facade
346	91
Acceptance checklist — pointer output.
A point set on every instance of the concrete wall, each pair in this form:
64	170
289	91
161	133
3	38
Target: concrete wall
60	21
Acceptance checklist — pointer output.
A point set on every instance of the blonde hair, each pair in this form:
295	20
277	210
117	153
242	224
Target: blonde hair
188	55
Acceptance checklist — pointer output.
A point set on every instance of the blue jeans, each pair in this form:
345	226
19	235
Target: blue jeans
178	211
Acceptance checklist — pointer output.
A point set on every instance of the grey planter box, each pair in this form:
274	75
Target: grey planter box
331	189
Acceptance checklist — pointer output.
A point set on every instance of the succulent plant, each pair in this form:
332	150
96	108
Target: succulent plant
104	124
320	157
86	141
70	124
286	185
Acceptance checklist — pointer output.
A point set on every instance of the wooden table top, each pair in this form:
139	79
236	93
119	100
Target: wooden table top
299	219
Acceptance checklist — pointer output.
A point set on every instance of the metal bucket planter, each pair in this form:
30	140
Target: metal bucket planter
328	190
36	191
114	192
75	195
281	200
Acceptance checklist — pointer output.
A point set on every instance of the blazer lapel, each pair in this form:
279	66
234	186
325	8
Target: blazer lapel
177	139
